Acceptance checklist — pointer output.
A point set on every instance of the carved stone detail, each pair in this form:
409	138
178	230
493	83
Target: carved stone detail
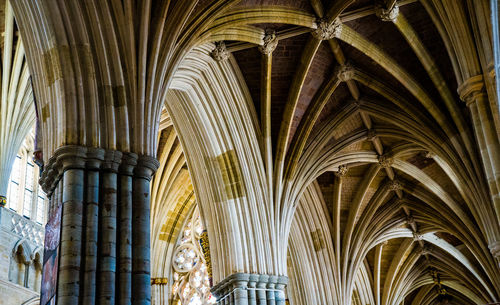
385	161
326	30
395	185
220	52
387	14
270	42
495	249
342	171
345	72
470	88
429	154
417	236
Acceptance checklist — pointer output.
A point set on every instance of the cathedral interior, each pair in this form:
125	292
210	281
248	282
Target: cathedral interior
249	152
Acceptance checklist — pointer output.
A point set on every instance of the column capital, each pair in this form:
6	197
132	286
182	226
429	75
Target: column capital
112	160
95	156
236	280
146	167
471	88
270	42
129	161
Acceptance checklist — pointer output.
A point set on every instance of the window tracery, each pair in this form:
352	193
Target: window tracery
24	195
191	266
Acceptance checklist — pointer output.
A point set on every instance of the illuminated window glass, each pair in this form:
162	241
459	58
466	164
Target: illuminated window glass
40	206
15	181
28	190
191	270
28	201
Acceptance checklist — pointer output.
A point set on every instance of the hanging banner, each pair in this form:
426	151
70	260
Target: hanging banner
51	258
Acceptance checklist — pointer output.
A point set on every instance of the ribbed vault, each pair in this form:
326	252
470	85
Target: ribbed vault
330	134
17	111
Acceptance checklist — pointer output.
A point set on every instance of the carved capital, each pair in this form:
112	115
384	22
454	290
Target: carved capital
95	156
220	52
238	281
345	72
129	161
471	88
342	171
387	14
146	167
270	42
385	161
326	30
112	160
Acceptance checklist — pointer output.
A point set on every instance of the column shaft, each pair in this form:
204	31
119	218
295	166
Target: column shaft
91	230
71	238
97	262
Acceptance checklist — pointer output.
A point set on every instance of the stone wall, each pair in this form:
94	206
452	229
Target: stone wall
21	249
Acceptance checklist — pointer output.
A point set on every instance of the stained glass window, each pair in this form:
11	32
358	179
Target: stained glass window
191	269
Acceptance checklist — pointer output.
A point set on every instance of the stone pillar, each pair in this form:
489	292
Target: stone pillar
104	241
141	261
251	289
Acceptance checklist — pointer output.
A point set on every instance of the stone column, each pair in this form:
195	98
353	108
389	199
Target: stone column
124	284
104	241
251	289
141	261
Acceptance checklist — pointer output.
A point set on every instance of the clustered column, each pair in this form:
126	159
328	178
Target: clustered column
251	289
104	248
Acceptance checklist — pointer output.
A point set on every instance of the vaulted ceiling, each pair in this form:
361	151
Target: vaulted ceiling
338	128
380	84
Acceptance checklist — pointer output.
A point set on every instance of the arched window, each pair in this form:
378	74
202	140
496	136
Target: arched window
15	184
191	264
24	195
20	264
28	188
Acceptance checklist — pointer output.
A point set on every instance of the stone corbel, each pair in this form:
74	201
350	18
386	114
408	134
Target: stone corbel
220	53
270	42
